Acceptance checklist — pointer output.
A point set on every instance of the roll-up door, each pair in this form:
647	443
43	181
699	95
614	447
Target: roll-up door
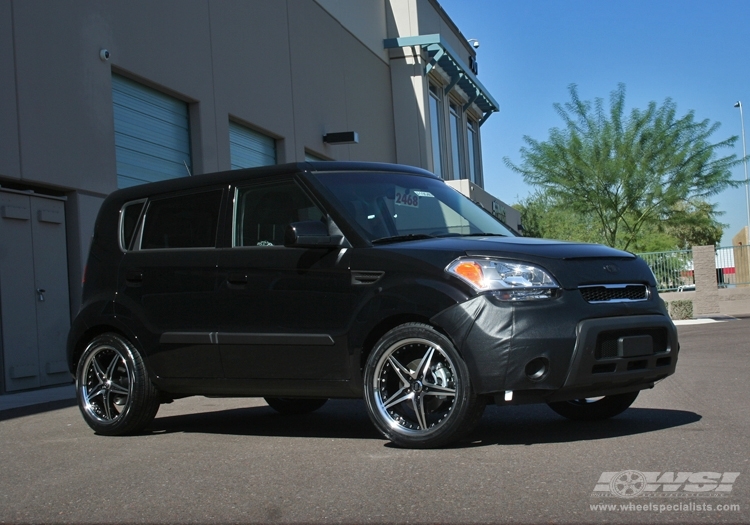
249	148
152	134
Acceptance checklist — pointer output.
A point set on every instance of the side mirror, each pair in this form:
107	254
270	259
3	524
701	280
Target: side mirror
310	234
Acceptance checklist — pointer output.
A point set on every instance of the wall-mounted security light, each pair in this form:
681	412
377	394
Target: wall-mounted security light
343	137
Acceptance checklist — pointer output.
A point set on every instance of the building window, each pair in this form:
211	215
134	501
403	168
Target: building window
249	148
455	124
436	130
152	134
473	151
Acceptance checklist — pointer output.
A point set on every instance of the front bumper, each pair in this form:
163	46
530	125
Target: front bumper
561	349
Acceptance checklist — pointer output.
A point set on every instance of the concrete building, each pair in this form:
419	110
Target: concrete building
100	95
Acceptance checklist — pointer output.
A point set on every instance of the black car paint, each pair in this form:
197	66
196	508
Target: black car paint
260	328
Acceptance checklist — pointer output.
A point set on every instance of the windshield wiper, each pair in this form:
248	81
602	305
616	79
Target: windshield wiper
483	235
401	238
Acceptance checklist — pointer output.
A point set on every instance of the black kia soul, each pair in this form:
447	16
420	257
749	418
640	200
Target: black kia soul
310	281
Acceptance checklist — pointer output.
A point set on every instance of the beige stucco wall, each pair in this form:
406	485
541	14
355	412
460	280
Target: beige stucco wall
742	256
365	19
287	68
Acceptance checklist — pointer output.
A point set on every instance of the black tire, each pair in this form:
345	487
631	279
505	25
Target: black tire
593	409
114	392
418	390
294	406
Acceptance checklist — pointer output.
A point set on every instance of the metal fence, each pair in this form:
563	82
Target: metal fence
733	266
673	270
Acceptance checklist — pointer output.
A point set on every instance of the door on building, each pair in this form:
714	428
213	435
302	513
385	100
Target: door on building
34	297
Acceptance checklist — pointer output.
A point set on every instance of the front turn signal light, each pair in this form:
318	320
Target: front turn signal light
471	272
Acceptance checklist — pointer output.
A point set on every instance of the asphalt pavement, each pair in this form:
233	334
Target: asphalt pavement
681	454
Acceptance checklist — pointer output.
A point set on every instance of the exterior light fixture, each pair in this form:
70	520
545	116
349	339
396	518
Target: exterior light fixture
343	137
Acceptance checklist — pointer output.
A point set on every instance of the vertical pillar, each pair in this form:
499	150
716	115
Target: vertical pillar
706	301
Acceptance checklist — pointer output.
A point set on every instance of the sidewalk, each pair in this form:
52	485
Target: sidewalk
43	396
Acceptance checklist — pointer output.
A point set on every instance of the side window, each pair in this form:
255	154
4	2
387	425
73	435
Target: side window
263	212
185	221
129	216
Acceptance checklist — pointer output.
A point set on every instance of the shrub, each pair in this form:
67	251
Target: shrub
681	309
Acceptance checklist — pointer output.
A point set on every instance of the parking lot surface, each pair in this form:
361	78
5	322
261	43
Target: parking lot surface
235	460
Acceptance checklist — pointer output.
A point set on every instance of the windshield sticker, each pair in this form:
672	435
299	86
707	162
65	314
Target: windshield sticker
423	193
404	197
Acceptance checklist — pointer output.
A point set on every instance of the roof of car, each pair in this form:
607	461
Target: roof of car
228	177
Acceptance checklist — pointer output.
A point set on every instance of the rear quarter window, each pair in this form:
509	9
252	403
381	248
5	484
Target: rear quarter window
129	217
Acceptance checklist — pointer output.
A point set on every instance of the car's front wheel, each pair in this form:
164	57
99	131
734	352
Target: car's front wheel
418	390
114	392
590	409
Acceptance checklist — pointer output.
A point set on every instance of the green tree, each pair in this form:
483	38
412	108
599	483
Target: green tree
690	224
542	217
628	173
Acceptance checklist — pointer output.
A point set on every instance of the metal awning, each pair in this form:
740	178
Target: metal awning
441	54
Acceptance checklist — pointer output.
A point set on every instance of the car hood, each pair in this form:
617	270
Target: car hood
572	264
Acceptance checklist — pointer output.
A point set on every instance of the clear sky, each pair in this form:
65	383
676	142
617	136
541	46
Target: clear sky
695	52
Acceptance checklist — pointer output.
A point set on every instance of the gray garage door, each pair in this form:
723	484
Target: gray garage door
152	134
249	148
33	291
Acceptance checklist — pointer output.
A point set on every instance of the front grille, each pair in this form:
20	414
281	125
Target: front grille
612	293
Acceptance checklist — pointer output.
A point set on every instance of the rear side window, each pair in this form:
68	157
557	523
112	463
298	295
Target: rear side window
185	221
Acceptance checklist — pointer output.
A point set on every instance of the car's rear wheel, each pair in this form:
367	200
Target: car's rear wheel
590	409
114	392
293	406
418	390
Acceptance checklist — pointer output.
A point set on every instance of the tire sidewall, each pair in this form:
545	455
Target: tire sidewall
448	430
123	423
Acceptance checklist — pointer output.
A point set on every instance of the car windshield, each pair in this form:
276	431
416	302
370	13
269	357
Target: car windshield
392	207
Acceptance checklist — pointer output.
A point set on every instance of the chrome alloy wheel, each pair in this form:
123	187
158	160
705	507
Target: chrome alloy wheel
414	385
105	387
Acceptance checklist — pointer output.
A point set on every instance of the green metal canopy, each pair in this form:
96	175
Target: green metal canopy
442	54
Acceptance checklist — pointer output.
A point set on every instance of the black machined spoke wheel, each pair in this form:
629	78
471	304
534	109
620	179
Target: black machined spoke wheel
415	384
113	389
418	388
106	388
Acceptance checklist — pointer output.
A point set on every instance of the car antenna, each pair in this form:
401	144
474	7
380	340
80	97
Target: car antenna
188	169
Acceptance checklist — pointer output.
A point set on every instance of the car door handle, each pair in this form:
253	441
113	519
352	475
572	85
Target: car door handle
237	279
134	277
